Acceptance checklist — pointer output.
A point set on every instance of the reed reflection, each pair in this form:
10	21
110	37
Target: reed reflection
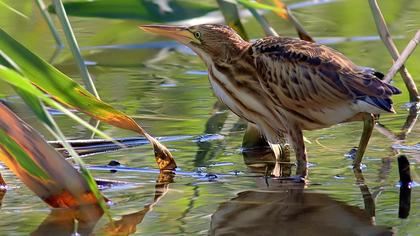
66	221
128	223
2	193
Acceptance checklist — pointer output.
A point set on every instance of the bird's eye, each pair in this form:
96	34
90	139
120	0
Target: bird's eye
197	35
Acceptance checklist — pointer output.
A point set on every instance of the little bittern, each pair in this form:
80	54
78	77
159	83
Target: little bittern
286	85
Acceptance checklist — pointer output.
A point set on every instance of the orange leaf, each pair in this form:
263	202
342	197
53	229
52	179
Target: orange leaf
39	166
282	12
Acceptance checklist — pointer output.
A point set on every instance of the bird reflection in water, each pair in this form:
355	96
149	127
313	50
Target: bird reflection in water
281	206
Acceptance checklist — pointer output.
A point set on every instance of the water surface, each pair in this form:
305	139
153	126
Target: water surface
166	88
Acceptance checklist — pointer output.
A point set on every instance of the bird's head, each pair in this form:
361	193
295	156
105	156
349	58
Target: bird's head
211	42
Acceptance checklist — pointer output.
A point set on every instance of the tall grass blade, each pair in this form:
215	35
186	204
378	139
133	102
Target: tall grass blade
31	97
262	6
252	6
55	130
268	30
32	94
13	10
299	28
39	166
45	14
74	47
68	92
231	15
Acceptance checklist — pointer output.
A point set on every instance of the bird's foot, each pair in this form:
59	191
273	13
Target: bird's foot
302	169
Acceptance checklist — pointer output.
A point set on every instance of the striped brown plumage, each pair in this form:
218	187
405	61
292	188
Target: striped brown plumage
285	85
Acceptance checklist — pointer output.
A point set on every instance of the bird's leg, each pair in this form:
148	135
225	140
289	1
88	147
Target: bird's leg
277	149
296	137
368	124
282	155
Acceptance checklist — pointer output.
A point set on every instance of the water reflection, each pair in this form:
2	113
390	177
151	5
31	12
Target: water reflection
286	208
410	121
82	221
2	193
262	160
405	187
224	122
2	182
214	124
128	223
63	221
368	197
2	188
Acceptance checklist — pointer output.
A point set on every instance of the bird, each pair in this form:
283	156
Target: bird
285	85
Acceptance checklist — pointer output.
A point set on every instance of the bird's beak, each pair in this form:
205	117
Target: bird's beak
179	33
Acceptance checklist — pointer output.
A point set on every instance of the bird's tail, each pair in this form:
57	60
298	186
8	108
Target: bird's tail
384	104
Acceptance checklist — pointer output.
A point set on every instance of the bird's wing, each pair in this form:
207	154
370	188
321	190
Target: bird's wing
302	74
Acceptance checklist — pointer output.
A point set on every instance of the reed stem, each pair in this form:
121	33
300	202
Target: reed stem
51	26
74	47
389	43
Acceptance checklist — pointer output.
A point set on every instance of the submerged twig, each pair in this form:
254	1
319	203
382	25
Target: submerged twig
389	43
51	26
403	57
74	47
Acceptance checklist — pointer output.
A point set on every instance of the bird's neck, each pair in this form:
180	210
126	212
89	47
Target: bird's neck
237	50
231	53
227	54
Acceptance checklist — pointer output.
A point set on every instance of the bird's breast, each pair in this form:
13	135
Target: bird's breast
242	93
